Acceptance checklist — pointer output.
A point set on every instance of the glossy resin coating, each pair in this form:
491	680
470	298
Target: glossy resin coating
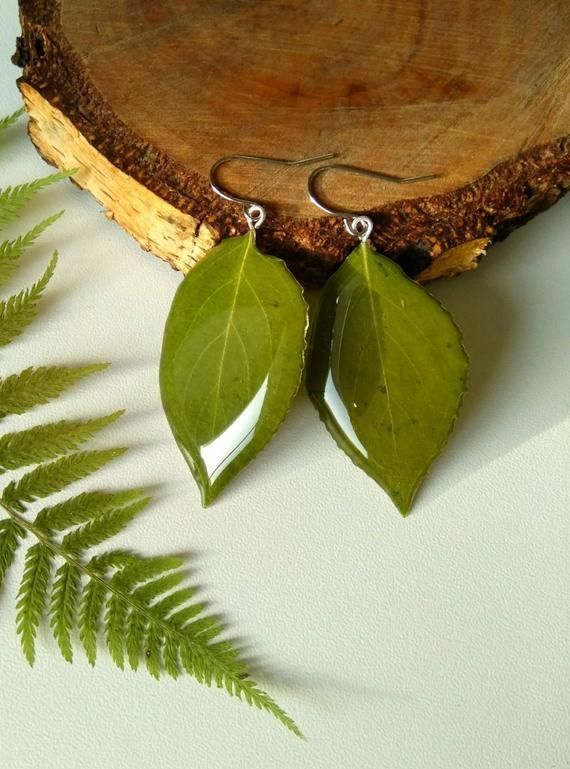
232	359
387	371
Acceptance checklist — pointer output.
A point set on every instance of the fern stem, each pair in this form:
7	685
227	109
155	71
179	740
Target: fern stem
247	687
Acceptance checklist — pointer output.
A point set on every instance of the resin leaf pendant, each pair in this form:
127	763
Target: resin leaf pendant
387	371
232	359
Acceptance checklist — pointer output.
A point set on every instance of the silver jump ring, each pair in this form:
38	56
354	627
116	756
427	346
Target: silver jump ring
359	227
254	215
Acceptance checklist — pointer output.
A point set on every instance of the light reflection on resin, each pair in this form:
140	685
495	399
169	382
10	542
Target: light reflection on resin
340	414
220	452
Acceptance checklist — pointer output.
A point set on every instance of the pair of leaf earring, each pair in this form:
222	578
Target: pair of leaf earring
386	369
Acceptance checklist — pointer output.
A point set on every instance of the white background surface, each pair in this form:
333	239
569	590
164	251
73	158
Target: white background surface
434	642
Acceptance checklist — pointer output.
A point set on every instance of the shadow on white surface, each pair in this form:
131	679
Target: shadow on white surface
327	690
513	312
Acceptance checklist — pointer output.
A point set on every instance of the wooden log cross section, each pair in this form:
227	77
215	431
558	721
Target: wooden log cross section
142	97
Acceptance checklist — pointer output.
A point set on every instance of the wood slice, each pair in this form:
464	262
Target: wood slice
142	97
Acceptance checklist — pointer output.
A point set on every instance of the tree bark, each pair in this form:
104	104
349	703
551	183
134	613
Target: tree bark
143	97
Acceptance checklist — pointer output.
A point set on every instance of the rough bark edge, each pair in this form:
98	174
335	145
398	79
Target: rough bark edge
157	225
414	232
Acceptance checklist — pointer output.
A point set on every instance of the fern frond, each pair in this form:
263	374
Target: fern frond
204	629
9	120
156	587
180	618
19	310
135	633
153	642
175	600
32	597
115	626
63	606
53	477
13	199
147	617
83	507
12	250
38	444
171	657
112	559
103	527
256	697
10	536
144	569
36	386
95	592
90	610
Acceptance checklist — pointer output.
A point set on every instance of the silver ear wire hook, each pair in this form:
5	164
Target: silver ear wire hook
253	211
358	225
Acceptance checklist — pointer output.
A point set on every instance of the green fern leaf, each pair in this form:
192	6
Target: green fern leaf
10	536
32	597
188	642
115	625
204	629
151	590
11	250
195	665
90	609
112	559
227	654
48	441
153	649
171	657
13	199
136	629
63	606
35	386
19	310
53	477
9	120
175	600
144	569
180	618
103	527
83	507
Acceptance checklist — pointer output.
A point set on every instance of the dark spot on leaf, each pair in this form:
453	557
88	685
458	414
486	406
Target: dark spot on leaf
382	389
147	653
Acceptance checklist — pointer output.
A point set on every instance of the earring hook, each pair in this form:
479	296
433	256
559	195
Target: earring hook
357	225
253	211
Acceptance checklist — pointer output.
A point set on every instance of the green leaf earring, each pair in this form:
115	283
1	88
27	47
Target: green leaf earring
233	349
387	369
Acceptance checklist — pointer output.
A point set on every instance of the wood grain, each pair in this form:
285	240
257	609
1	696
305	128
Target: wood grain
475	92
